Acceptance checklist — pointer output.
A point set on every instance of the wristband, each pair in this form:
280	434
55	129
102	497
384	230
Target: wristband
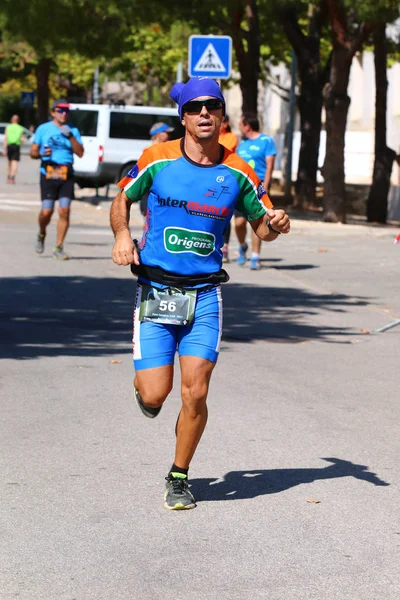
271	228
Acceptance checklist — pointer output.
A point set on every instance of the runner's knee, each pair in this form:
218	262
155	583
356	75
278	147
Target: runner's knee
153	393
64	213
194	396
46	213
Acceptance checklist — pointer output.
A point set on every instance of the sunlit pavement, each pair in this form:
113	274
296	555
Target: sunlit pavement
297	474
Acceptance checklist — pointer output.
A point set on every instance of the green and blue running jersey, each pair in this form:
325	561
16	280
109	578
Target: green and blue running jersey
190	205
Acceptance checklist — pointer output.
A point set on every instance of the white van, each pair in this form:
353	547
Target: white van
114	137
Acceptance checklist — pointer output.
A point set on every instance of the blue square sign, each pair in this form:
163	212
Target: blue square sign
210	56
27	98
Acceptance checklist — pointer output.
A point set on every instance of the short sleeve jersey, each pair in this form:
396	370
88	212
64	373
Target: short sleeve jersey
50	135
14	133
189	206
255	151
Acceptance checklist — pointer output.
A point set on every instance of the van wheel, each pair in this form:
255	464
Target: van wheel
125	169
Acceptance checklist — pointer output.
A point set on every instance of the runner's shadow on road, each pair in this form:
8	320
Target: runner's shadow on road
239	485
75	258
294	267
81	316
288	315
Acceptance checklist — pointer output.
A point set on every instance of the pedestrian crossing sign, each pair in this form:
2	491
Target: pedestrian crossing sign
210	56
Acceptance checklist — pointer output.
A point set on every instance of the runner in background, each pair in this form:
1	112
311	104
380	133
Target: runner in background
159	133
230	141
55	144
258	150
13	136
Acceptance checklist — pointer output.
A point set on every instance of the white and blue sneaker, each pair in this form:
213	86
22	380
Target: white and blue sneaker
255	263
241	259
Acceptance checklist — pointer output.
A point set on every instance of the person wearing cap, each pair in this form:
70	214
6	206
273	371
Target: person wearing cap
194	185
55	144
13	136
159	133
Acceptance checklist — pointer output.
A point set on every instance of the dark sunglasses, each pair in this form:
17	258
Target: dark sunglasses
62	110
195	106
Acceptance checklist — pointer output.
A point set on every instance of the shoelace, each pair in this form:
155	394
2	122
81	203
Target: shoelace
178	485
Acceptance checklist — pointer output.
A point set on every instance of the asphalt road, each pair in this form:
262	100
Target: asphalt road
297	475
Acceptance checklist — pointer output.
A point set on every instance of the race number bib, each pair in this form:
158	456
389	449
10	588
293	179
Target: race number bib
172	306
56	172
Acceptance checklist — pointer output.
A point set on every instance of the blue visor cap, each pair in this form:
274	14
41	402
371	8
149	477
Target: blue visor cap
182	93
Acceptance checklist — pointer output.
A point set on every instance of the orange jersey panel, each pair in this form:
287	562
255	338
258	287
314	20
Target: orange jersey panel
229	140
166	150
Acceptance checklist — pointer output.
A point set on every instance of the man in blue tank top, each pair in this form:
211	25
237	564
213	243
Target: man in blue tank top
194	185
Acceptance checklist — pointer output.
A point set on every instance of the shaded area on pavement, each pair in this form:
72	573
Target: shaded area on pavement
238	485
88	316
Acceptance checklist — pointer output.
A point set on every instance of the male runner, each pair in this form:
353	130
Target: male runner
194	185
55	143
257	149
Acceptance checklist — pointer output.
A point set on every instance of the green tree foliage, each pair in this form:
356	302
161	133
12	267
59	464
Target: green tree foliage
154	53
88	27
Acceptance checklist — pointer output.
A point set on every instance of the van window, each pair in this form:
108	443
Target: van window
85	121
129	126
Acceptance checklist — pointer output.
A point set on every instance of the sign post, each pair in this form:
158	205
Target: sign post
210	56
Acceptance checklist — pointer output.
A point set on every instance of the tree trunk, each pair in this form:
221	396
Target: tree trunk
310	107
337	104
312	79
378	194
42	79
249	62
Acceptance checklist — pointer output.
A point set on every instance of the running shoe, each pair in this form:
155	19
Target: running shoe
177	493
255	263
59	254
149	411
241	259
225	255
39	247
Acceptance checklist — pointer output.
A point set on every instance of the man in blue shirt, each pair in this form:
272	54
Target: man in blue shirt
55	143
258	150
194	185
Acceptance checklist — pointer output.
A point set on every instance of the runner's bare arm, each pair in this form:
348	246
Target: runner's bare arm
35	151
269	168
77	148
124	251
278	221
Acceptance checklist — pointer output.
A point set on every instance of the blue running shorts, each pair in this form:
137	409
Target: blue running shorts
155	344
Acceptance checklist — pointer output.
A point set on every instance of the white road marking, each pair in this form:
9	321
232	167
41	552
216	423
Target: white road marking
16	202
